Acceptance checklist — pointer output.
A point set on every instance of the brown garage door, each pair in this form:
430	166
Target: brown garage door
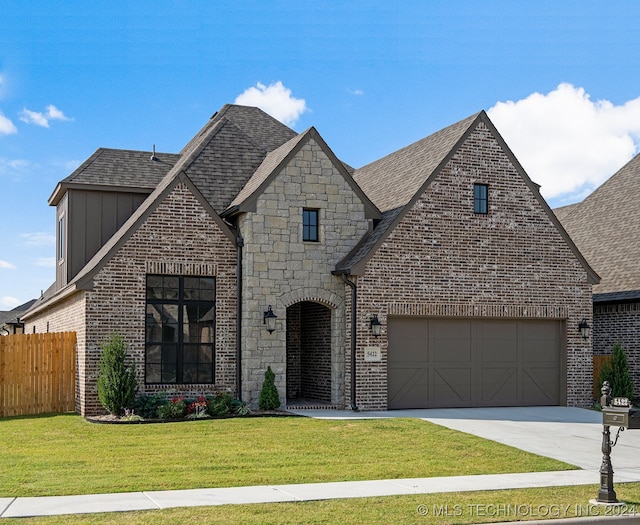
474	363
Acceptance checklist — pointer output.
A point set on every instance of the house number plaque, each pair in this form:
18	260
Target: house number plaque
372	354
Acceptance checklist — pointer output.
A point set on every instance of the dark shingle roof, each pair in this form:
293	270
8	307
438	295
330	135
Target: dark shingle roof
393	180
117	168
606	229
263	130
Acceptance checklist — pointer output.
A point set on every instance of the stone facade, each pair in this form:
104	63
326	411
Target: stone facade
442	260
279	269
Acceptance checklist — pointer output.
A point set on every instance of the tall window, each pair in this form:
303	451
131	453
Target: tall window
61	238
480	198
180	329
310	225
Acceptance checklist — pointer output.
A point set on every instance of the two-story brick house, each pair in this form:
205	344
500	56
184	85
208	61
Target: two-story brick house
447	244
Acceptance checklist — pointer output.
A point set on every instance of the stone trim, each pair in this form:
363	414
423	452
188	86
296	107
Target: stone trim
477	310
326	298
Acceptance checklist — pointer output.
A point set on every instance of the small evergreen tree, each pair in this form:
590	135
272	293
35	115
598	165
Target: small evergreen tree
117	386
269	398
616	371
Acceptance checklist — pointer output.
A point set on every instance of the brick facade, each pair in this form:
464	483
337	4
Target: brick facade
442	260
618	323
178	238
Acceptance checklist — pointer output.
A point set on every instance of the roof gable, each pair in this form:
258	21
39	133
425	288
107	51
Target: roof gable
435	161
85	276
276	160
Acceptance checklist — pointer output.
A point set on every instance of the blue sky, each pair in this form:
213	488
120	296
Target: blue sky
558	78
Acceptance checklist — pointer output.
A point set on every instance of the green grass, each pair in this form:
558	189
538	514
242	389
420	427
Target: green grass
64	454
450	508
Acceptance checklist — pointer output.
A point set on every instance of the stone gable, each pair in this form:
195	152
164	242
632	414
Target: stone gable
280	269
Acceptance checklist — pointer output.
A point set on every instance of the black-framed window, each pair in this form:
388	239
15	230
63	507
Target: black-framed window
310	225
180	329
480	198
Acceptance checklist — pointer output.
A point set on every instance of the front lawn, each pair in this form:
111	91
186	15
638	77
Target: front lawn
64	454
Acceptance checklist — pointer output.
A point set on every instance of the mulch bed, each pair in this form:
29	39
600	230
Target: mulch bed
110	419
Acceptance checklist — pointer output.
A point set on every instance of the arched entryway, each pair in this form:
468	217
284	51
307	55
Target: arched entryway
308	353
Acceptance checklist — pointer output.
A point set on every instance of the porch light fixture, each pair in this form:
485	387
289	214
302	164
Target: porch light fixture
584	329
269	319
376	325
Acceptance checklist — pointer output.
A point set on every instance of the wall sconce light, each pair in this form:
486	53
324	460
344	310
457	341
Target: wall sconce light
584	329
269	319
376	326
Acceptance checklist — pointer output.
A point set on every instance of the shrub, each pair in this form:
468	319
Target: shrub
240	408
117	386
616	371
219	404
175	408
269	398
147	404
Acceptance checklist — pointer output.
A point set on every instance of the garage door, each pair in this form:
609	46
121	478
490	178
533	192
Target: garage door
474	363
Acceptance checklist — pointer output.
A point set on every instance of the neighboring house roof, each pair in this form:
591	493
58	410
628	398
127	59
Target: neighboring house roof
13	316
564	211
397	181
117	169
606	228
276	160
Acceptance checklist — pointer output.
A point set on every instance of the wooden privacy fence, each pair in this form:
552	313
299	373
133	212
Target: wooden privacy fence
37	373
598	363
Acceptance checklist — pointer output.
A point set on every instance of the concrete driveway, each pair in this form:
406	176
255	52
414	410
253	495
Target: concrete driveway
572	435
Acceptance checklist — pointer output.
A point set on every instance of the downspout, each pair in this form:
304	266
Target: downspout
239	244
354	294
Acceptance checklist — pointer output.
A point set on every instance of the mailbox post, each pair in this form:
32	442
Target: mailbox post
616	412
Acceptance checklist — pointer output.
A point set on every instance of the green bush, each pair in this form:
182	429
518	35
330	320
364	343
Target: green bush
269	398
147	404
616	371
117	386
220	404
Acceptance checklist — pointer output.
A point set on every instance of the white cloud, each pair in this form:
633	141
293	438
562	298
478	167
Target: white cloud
42	118
356	92
48	262
14	168
6	126
9	303
38	239
566	142
6	265
276	100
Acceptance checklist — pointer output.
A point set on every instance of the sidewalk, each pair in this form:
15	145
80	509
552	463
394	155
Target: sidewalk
569	434
55	505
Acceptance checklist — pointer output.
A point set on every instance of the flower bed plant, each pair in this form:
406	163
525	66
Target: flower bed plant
168	406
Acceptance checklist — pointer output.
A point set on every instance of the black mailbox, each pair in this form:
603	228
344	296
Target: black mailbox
616	412
621	417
